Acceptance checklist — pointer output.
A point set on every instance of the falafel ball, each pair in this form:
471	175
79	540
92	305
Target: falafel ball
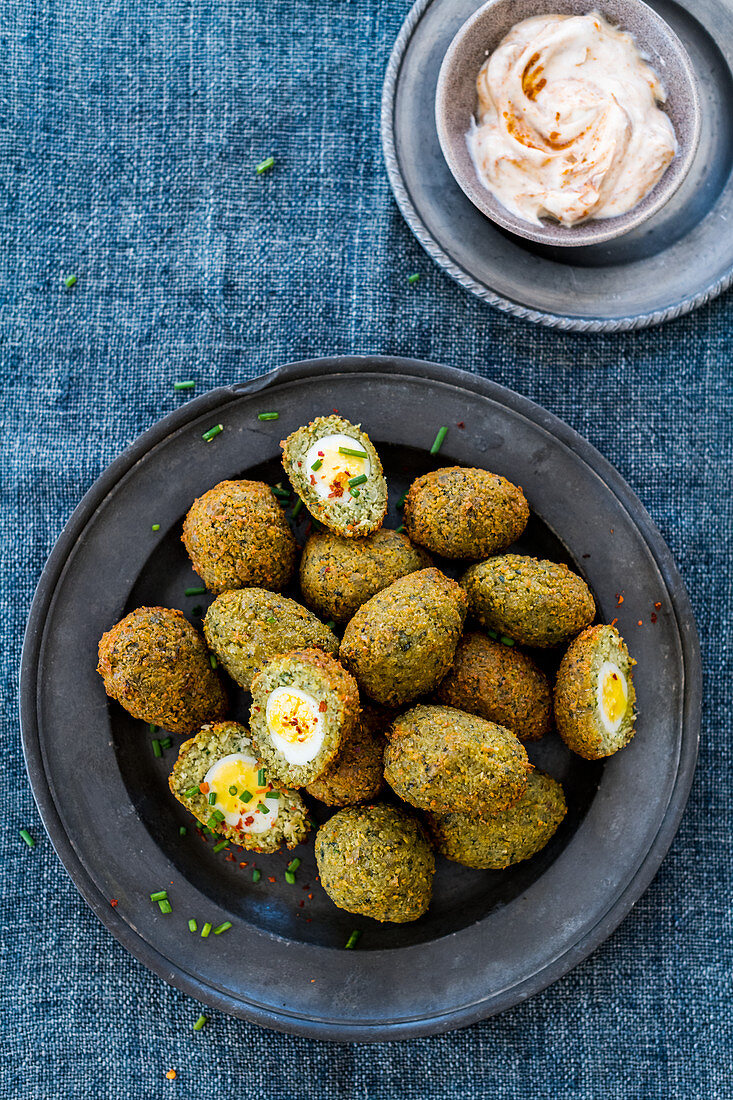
236	535
464	513
156	665
304	708
338	575
499	683
594	694
401	642
247	627
510	836
357	773
537	603
376	861
442	759
336	472
220	761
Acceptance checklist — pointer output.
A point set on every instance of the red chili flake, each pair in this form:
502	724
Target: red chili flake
327	569
613	622
204	788
321	454
272	878
258	709
619	599
229	857
460	424
300	463
310	897
301	904
308	920
336	411
586	555
323	707
249	821
243	864
657	605
113	902
313	479
639	623
654	617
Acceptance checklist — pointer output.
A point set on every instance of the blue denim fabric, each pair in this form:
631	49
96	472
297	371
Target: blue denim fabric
129	134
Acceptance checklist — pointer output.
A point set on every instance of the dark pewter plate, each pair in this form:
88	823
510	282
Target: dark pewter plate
490	939
674	262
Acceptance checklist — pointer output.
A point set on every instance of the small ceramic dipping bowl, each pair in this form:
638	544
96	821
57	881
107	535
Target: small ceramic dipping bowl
456	104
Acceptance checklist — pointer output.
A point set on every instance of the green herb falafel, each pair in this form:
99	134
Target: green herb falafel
357	772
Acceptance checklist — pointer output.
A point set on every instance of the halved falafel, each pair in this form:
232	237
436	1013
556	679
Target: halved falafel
441	759
594	694
401	642
464	513
219	779
247	627
537	603
156	665
336	472
357	772
236	535
499	683
338	575
304	707
514	834
376	861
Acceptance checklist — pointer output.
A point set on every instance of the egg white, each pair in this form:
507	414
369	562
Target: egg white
326	451
219	784
293	751
607	668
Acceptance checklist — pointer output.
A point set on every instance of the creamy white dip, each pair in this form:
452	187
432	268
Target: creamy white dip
568	122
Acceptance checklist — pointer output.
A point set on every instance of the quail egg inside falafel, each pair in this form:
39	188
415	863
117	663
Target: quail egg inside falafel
613	694
295	724
243	800
331	461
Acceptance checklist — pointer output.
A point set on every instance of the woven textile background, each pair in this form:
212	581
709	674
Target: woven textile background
129	132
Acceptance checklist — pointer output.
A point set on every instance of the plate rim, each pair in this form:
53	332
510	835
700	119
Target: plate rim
63	844
564	322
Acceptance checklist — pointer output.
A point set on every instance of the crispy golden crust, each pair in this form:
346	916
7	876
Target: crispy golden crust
401	642
335	690
464	513
156	665
442	759
338	575
577	712
376	861
510	836
538	603
499	683
357	772
237	536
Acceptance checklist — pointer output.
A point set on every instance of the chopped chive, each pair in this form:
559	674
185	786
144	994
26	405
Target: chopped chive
165	906
212	660
166	742
331	624
438	442
159	895
188	385
358	480
261	777
282	494
181	830
222	844
317	464
200	591
156	527
294	864
265	165
157	751
354	493
199	1023
412	279
245	796
272	794
70	281
268	416
197	611
27	838
205	931
401	502
212	433
191	792
256	875
352	451
232	789
353	939
401	529
271	619
290	877
218	816
212	798
152	728
506	640
296	508
263	808
222	927
192	926
493	634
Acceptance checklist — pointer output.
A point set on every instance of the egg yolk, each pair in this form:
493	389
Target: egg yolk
246	803
332	462
613	694
295	723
